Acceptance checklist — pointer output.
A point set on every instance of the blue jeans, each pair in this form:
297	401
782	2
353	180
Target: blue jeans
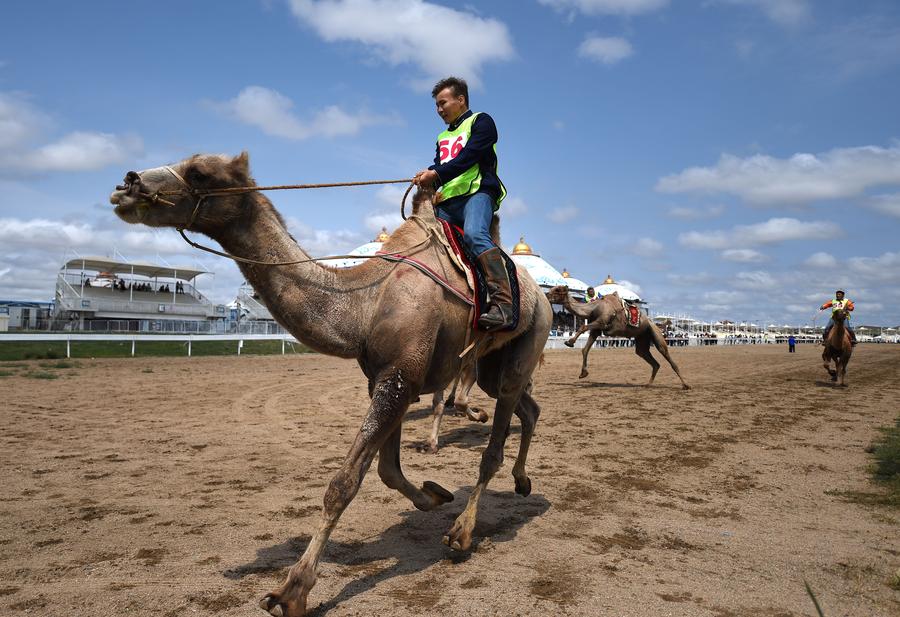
474	216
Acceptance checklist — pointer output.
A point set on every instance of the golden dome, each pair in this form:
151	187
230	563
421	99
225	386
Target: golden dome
609	280
565	274
383	237
521	248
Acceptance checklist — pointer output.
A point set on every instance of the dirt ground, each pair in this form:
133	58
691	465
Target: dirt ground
182	486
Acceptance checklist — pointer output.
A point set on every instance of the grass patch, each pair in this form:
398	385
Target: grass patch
12	351
59	364
885	471
7	373
40	375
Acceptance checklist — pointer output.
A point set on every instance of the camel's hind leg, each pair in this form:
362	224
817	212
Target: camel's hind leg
504	374
528	412
459	398
585	351
660	343
642	349
390	398
437	412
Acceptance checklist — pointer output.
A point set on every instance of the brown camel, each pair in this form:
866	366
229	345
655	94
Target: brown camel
405	330
838	348
607	316
458	401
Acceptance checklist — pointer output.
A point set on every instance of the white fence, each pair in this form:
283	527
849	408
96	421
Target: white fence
188	339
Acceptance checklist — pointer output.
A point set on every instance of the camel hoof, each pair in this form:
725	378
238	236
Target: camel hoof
523	488
568	343
458	539
583	375
271	606
439	495
476	415
684	386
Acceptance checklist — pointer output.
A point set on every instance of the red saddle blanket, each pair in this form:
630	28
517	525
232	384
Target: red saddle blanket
632	315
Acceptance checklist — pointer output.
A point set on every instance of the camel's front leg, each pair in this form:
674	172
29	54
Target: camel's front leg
581	330
390	398
587	349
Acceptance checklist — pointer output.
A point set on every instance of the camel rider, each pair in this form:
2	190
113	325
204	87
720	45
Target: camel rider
465	167
590	295
839	303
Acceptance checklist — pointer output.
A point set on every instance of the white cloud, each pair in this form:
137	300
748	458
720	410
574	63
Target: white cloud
82	151
773	231
743	255
708	212
647	247
782	12
513	207
21	126
756	280
441	41
885	268
821	260
322	242
765	180
631	285
563	214
606	7
272	113
607	50
886	204
390	221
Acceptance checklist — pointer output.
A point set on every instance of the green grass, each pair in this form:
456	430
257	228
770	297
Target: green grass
40	375
885	471
51	350
7	373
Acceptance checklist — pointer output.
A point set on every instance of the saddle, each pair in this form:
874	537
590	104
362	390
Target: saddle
632	313
465	261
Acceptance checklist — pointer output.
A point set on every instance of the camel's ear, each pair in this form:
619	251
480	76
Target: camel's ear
242	163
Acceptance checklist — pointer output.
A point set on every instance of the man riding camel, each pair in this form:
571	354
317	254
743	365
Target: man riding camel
465	169
839	303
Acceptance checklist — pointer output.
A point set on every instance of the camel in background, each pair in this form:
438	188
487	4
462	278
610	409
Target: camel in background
405	331
838	347
607	316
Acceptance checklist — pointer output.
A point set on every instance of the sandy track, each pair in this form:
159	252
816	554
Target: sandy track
174	486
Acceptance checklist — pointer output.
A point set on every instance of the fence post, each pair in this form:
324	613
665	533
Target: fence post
132	346
240	344
68	347
189	345
282	347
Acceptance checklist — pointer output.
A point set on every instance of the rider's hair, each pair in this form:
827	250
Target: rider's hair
456	84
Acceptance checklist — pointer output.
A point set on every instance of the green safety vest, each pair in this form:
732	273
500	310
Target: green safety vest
450	144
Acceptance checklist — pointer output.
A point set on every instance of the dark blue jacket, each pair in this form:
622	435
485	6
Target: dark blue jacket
479	149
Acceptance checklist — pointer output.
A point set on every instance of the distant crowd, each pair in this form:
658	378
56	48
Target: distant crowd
121	285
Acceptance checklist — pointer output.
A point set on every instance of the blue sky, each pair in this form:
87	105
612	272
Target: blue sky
732	158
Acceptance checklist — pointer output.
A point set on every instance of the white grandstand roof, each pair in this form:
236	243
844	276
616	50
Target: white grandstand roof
369	248
105	264
624	292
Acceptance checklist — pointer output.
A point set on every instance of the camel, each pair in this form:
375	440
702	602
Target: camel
607	316
458	400
838	348
405	331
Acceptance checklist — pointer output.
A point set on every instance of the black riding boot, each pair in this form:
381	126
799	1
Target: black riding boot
500	313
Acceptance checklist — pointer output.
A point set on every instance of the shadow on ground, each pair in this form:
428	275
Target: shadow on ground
413	544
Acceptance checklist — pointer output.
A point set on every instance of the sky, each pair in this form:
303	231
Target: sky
732	159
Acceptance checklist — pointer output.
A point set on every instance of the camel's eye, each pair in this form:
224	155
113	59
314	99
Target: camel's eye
196	176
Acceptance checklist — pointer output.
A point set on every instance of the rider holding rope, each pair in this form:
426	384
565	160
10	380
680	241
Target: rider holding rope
839	303
465	167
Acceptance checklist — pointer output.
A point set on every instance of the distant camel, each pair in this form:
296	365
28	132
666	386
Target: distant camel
607	316
405	331
838	347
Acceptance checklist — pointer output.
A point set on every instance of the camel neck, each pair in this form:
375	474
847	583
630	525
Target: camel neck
324	308
578	308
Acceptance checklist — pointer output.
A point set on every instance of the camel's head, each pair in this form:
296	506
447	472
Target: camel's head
558	294
134	200
840	315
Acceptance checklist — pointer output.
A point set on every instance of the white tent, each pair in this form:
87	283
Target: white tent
367	249
609	286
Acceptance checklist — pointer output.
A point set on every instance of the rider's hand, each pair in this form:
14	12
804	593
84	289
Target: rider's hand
426	178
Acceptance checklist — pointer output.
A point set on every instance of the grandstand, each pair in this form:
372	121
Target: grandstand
99	293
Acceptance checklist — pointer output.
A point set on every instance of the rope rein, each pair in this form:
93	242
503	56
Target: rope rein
394	256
